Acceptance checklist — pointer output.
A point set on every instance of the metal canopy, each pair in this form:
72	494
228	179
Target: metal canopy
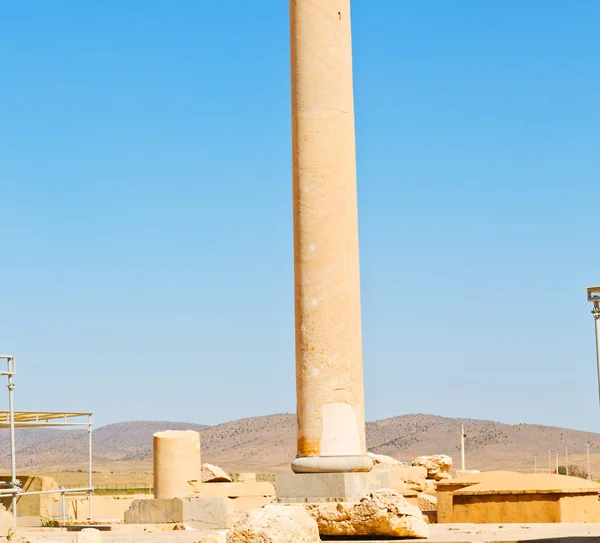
44	419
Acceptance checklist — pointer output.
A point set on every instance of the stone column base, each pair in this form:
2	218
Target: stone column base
332	464
326	487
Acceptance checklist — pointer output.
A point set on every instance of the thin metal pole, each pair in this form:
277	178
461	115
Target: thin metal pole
588	461
566	461
90	474
596	315
63	505
462	447
556	462
13	451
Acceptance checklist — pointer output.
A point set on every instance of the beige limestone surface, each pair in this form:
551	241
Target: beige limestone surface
383	459
236	490
446	489
514	497
438	466
443	533
214	474
329	367
383	513
37	505
105	508
177	467
89	535
275	524
213	513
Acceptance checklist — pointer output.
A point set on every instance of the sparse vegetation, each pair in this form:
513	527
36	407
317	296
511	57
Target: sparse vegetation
48	522
577	471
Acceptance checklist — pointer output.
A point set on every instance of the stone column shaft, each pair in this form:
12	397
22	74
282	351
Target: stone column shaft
329	373
177	467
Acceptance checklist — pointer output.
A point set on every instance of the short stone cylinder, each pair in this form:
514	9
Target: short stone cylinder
177	465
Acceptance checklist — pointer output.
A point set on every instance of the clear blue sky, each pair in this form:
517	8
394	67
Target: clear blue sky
145	190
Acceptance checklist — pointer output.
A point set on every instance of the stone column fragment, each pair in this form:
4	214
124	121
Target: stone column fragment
177	467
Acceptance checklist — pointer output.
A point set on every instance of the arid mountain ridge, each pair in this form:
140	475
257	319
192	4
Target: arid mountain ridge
267	444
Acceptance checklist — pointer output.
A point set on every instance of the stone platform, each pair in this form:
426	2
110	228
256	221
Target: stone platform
215	506
448	533
335	487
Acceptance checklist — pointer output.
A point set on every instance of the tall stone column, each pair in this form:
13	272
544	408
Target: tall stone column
329	372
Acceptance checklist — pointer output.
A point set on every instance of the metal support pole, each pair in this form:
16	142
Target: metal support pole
13	451
596	315
556	462
90	474
462	447
588	461
63	506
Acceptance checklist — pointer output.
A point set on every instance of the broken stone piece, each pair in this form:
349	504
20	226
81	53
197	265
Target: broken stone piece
438	466
276	524
214	474
382	513
383	459
427	502
89	535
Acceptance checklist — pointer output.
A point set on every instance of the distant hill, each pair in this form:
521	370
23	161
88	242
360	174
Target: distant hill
268	443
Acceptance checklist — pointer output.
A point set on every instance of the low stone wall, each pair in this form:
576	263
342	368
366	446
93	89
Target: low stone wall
33	506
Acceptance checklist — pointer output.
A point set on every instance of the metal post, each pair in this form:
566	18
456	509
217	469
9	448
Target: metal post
63	506
596	315
556	462
588	461
13	452
90	474
462	447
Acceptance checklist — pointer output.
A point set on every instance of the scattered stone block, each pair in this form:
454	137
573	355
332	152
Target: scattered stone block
246	477
438	466
235	490
276	524
383	513
430	517
427	502
214	474
384	459
200	513
89	535
430	486
8	523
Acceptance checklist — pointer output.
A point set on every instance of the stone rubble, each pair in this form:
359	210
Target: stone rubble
384	460
214	474
438	466
89	535
276	524
383	513
427	502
